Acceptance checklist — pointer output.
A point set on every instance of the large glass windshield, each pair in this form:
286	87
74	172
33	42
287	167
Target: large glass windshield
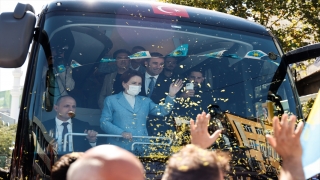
112	75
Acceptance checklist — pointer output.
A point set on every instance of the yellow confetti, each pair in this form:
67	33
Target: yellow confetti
183	168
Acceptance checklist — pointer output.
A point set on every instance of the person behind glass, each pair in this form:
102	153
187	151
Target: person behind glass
195	78
64	122
155	86
170	64
137	64
195	96
126	113
63	72
112	83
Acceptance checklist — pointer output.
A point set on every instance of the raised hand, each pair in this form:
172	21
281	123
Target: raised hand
286	142
175	87
199	131
188	93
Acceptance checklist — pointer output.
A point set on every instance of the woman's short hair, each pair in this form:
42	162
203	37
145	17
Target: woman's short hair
126	76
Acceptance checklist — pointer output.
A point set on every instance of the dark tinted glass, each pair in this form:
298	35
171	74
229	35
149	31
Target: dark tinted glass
228	73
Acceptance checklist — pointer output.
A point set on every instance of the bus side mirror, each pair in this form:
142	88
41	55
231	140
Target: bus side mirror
16	33
302	54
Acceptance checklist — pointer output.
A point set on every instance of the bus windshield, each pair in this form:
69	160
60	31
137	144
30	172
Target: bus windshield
228	73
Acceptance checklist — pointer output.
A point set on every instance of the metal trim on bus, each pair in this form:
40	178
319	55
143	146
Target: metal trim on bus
114	135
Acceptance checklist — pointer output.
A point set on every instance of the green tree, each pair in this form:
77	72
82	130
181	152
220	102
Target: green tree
7	137
295	22
307	106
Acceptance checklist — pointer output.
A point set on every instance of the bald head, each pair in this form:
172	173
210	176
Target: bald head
106	162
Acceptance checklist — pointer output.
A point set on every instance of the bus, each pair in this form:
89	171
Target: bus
232	68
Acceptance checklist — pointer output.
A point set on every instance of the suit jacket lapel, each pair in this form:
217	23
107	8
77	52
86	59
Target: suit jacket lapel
75	127
160	82
123	102
143	86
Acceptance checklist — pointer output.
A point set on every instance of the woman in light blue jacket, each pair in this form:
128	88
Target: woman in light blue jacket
126	113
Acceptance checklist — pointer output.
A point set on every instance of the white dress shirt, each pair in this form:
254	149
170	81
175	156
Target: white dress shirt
131	99
148	80
136	69
59	130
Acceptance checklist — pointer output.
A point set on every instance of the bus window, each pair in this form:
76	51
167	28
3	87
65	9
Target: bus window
225	72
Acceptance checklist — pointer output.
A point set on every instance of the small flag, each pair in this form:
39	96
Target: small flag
180	51
170	10
61	68
75	64
140	55
310	140
255	54
103	60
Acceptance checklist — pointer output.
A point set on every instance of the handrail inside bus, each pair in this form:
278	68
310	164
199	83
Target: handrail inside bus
114	135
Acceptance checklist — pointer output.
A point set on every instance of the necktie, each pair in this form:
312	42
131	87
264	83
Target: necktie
64	132
151	86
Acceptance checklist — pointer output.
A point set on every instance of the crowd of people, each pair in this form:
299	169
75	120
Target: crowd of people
194	161
136	99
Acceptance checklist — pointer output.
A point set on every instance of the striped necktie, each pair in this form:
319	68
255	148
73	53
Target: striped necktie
64	132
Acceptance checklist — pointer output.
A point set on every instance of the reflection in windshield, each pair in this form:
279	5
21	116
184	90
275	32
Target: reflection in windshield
138	87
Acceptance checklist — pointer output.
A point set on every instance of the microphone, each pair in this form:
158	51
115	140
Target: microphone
71	114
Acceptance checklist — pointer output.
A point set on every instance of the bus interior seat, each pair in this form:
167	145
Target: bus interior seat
90	45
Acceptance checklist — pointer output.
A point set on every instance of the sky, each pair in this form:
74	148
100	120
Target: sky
6	78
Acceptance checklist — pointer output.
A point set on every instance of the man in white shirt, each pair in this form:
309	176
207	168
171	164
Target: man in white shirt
156	87
137	64
65	123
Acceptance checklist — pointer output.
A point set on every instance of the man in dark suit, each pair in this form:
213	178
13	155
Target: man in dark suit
65	123
156	87
196	96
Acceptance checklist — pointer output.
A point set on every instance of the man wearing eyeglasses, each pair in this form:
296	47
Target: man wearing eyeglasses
112	83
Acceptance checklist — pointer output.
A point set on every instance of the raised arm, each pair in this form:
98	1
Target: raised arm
286	142
162	110
199	131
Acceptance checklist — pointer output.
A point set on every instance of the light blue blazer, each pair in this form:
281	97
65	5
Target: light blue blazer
118	117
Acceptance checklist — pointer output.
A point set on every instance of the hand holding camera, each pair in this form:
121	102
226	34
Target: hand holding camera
189	91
